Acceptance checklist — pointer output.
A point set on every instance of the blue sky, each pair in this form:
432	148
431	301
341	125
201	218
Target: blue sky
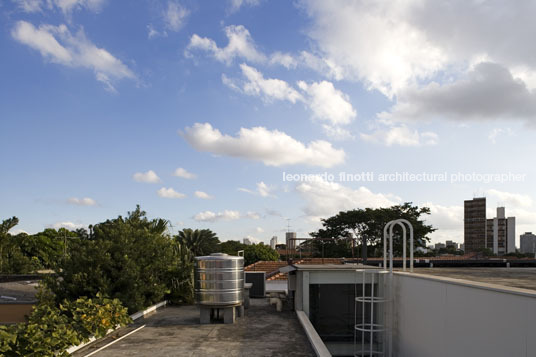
103	101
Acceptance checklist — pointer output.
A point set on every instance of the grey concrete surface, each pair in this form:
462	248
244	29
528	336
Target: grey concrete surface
524	278
175	331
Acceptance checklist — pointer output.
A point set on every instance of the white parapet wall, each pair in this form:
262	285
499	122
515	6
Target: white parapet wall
443	317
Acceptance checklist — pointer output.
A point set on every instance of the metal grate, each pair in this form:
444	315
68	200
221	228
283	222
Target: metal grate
258	279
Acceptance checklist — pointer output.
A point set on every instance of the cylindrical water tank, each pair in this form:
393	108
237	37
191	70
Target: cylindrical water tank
219	280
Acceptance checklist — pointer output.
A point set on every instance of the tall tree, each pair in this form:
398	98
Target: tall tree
367	226
199	241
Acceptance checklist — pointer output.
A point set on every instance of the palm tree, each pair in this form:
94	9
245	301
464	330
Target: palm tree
200	242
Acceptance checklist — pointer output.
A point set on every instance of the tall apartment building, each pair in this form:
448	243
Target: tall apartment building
291	244
501	233
273	242
474	224
527	243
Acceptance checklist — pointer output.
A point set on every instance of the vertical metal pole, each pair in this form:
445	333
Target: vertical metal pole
371	313
363	316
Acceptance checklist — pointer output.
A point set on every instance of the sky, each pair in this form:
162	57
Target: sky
250	117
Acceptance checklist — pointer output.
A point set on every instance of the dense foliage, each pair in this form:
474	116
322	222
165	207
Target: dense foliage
52	328
130	258
199	241
256	252
23	253
367	226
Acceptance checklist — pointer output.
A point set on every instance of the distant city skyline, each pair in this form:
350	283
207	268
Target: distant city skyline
200	111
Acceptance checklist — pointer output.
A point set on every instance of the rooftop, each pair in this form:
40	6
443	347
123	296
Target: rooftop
175	331
524	278
18	291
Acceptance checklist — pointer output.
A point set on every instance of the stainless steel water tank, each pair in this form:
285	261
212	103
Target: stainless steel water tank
219	280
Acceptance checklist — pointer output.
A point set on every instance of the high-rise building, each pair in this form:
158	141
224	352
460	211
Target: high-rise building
451	244
248	241
273	242
527	243
474	224
291	244
501	233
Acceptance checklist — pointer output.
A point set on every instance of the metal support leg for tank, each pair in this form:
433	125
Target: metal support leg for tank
229	315
205	314
240	311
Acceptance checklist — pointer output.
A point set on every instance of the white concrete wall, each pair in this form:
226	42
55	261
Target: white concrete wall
444	318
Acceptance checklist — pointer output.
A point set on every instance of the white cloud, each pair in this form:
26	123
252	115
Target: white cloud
14	232
203	195
496	132
373	43
175	15
488	92
240	45
86	201
147	177
152	32
328	103
169	193
324	199
262	190
400	135
514	199
68	225
209	216
273	148
324	101
67	6
29	5
180	172
56	44
259	230
269	89
237	4
252	215
284	59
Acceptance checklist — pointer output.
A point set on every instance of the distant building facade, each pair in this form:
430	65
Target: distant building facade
273	242
451	244
527	243
291	244
501	233
474	224
248	241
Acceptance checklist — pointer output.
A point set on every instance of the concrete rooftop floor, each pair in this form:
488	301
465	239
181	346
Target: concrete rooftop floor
175	331
524	278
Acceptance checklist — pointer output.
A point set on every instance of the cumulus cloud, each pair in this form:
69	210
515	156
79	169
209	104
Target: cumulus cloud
400	135
496	132
514	199
169	193
209	216
203	195
273	148
147	177
57	45
488	92
259	230
67	224
240	45
326	103
86	201
29	5
180	172
324	199
252	215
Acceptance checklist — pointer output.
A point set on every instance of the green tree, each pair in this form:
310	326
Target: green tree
367	226
231	247
256	252
130	258
199	241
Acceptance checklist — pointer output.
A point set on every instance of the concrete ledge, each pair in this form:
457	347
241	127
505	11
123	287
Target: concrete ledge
316	342
472	284
134	317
